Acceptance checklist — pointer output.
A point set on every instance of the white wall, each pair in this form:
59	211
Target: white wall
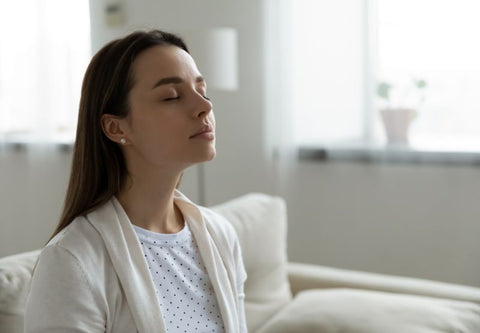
32	186
396	219
410	220
32	189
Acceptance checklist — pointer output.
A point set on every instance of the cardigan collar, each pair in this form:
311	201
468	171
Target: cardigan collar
126	254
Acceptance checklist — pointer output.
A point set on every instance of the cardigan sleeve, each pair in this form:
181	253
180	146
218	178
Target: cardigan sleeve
61	299
241	278
227	240
240	273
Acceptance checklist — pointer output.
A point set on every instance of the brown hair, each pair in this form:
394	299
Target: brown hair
98	165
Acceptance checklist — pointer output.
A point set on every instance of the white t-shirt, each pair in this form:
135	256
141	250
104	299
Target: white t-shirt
183	287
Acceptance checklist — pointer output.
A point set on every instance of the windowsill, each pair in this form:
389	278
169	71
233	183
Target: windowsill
377	153
23	142
348	152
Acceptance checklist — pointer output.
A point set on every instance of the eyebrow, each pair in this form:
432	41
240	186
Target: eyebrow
175	80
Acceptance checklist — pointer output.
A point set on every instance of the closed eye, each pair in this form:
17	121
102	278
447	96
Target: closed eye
171	98
178	97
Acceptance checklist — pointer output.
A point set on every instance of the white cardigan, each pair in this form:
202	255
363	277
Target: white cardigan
93	277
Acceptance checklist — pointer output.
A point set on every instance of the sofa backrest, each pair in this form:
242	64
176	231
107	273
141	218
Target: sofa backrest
261	224
15	274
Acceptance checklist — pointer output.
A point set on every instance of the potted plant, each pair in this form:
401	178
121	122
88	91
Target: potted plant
398	115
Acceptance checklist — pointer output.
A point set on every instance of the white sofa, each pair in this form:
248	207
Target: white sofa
292	297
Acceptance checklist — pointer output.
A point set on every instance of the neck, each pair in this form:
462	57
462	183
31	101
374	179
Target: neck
147	198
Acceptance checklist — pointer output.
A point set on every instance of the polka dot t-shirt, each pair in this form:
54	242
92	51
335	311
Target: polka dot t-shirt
183	288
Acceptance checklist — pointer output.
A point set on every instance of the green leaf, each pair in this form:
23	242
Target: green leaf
383	90
420	84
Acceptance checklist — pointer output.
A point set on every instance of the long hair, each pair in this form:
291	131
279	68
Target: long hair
98	165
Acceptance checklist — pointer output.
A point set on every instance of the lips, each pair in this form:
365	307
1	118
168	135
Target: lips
206	129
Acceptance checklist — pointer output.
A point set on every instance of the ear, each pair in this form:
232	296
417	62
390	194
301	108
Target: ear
115	128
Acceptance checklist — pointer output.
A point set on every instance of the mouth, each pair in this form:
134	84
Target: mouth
204	132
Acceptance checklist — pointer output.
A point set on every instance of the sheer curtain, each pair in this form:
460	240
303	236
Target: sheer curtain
330	71
278	91
316	77
44	51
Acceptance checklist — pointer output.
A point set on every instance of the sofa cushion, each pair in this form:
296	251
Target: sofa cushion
260	222
15	273
360	311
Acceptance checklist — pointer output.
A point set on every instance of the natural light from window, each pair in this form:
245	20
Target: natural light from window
430	42
434	41
45	49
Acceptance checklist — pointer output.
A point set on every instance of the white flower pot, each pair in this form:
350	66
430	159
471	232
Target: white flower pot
397	122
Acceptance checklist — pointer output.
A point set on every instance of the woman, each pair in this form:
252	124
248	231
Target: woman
131	253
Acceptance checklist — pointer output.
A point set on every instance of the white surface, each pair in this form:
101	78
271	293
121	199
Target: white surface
215	51
359	311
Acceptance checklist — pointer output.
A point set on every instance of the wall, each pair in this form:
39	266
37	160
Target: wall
410	220
32	189
32	185
399	219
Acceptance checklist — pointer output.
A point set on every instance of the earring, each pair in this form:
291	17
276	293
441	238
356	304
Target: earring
123	141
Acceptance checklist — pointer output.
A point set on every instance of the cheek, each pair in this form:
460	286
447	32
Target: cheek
154	133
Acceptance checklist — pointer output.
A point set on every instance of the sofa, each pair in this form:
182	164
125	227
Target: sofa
283	296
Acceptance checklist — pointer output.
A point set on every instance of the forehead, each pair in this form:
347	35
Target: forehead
163	61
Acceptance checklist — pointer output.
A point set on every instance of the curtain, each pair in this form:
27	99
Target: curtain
278	99
44	51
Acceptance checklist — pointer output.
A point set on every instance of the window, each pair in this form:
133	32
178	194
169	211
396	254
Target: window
424	50
434	41
45	50
327	70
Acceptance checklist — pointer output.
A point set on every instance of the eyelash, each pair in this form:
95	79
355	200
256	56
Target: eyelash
178	97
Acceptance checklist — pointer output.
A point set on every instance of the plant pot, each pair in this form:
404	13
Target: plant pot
397	122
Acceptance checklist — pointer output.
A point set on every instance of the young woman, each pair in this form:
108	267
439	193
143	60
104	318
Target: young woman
131	253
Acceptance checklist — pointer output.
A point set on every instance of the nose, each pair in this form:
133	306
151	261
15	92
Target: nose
203	106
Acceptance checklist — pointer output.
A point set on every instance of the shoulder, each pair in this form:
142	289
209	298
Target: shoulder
78	237
67	282
81	237
73	255
219	224
78	244
76	258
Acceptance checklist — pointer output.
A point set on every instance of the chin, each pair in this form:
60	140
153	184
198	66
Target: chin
205	156
211	155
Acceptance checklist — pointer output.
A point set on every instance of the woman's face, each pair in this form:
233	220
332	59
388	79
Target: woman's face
170	121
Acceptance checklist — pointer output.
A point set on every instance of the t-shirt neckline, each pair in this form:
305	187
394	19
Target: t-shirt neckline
161	239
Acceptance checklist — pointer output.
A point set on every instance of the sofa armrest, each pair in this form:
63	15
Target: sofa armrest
307	276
